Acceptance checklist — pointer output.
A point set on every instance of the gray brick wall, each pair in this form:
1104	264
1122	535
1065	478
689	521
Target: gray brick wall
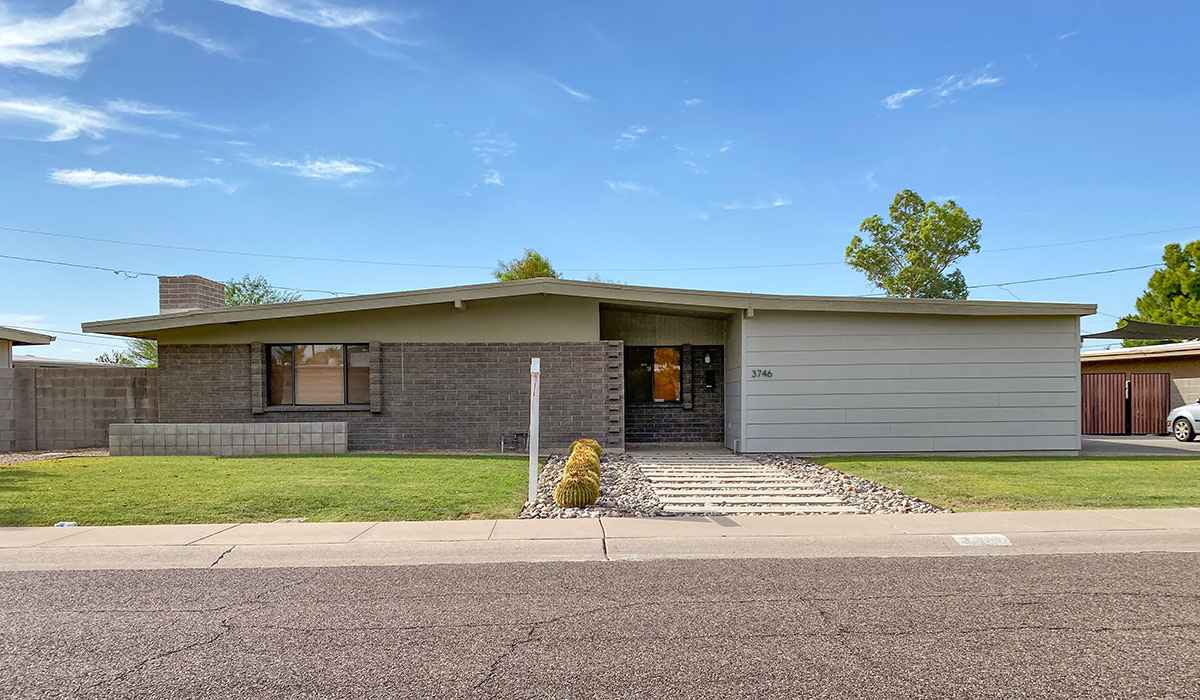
226	439
431	395
698	417
58	408
8	409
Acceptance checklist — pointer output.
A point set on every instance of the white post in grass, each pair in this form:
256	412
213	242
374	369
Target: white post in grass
535	388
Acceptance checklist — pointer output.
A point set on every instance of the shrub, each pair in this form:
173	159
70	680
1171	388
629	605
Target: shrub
595	446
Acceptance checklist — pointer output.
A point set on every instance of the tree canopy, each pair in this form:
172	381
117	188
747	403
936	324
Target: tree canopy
1173	293
532	264
138	352
250	291
908	255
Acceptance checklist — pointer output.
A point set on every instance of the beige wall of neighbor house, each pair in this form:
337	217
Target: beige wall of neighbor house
826	383
534	318
645	328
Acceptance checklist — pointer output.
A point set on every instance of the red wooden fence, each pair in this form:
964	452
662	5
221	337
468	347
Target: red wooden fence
1104	403
1149	402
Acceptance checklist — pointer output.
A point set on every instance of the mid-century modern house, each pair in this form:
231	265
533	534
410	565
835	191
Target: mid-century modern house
449	368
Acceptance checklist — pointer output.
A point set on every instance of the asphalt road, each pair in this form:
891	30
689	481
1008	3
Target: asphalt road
1137	446
1022	626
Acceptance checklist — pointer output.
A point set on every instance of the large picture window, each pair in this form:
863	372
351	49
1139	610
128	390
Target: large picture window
652	374
318	375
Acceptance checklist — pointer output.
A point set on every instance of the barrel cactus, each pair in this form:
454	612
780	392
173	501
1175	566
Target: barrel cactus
590	443
577	490
583	457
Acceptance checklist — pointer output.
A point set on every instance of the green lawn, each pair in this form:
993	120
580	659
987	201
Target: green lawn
141	490
1034	483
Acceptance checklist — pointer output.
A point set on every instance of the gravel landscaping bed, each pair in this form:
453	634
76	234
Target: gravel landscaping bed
624	491
866	495
18	457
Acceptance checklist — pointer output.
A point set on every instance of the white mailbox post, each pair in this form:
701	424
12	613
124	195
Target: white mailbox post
535	386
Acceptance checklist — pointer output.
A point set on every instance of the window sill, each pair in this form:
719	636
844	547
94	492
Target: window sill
322	409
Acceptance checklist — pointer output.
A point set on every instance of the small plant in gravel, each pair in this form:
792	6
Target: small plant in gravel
583	456
590	443
578	488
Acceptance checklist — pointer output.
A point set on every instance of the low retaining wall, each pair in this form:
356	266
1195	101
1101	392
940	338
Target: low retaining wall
226	439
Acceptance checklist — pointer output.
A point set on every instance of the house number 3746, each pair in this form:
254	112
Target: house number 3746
762	373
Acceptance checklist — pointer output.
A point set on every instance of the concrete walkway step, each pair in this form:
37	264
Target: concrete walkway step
739	492
758	510
744	499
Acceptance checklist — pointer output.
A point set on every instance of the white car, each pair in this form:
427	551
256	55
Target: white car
1182	422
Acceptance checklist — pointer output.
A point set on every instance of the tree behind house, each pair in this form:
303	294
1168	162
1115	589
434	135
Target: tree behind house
533	264
1173	293
908	254
251	291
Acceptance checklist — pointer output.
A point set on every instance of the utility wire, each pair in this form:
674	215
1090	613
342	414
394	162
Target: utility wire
130	274
390	263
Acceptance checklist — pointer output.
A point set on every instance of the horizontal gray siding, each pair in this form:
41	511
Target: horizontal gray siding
859	383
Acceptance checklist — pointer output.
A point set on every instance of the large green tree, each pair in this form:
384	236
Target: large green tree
532	264
1173	293
908	254
250	291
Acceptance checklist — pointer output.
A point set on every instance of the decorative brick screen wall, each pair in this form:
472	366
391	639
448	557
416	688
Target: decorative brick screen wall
430	396
226	439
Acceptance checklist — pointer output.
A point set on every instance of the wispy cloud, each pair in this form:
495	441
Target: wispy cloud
943	89
323	168
68	119
325	14
761	203
493	177
630	136
692	101
197	37
577	94
726	146
99	179
490	145
626	187
142	109
951	84
1069	34
896	99
61	45
869	180
21	319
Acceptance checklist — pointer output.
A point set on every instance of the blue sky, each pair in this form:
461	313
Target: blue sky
637	141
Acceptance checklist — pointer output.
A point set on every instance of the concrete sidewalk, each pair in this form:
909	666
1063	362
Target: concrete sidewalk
262	545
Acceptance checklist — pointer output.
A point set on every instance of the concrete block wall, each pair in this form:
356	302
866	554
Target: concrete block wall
60	408
8	410
226	439
432	396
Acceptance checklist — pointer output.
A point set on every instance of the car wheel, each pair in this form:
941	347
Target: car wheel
1183	430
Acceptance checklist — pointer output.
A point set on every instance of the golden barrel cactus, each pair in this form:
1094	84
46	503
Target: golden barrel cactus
583	457
590	443
577	490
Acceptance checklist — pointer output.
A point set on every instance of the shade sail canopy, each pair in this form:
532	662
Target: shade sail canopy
1140	330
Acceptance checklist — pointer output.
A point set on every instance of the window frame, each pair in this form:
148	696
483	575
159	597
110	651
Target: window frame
653	401
267	355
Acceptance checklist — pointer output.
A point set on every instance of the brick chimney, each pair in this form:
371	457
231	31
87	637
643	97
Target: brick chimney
188	293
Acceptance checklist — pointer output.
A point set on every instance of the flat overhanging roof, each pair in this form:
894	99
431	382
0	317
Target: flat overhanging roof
667	299
19	337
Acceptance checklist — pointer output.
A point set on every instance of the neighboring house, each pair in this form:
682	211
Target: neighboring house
9	404
1131	390
449	368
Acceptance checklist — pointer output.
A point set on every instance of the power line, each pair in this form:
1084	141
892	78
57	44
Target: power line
279	256
698	268
1064	277
130	274
81	335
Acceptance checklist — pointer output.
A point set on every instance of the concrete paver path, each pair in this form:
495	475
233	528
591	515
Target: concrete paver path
704	483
